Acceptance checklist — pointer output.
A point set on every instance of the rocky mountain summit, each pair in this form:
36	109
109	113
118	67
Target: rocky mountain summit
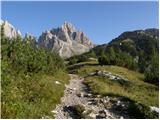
139	35
132	42
65	40
9	30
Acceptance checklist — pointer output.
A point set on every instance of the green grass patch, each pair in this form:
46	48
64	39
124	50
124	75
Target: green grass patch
31	96
142	93
147	95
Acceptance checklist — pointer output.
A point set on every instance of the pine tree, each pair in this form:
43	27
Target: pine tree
152	71
112	55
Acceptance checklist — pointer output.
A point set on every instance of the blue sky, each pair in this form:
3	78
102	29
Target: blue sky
101	21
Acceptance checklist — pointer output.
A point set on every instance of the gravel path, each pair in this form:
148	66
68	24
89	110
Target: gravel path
77	93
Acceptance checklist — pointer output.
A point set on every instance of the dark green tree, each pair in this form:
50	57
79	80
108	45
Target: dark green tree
152	71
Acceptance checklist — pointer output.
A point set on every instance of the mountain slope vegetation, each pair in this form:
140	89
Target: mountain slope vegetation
34	77
137	50
141	95
29	76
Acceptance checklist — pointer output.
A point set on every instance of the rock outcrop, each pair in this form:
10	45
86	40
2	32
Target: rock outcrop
139	34
65	40
9	30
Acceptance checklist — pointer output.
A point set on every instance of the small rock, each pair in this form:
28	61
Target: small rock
74	88
92	115
82	94
153	108
112	77
118	78
121	117
106	111
108	114
46	117
118	103
105	101
123	105
57	82
98	96
89	103
53	111
89	95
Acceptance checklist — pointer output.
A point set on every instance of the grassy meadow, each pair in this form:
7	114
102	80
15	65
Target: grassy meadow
32	96
135	89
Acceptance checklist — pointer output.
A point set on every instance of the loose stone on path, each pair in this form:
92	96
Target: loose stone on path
76	93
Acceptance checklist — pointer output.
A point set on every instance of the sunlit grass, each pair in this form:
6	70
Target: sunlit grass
137	89
32	96
144	94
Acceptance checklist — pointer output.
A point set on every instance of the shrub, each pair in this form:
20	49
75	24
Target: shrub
152	77
26	93
91	54
82	58
103	60
152	71
78	111
72	61
139	111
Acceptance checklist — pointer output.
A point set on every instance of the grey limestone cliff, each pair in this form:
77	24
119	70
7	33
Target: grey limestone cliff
65	40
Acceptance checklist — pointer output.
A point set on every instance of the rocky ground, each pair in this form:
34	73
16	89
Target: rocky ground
95	106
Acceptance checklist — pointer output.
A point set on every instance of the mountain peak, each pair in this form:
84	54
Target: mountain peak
68	26
67	23
9	30
66	40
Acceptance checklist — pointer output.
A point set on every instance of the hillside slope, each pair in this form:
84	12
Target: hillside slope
133	42
119	84
31	77
137	50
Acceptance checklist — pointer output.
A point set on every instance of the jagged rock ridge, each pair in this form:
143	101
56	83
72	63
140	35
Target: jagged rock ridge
65	40
9	30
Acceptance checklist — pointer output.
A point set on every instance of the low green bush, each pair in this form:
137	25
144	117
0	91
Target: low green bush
140	111
78	111
28	75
